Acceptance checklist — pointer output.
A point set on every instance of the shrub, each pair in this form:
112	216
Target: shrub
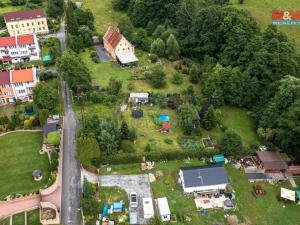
177	79
148	148
27	123
93	54
153	58
130	86
96	60
127	146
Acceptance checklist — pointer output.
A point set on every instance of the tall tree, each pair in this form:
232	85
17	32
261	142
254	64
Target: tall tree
74	71
71	21
187	115
45	96
88	151
158	47
231	144
55	8
209	120
172	50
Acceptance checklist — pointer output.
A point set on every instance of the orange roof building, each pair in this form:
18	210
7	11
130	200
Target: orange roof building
17	84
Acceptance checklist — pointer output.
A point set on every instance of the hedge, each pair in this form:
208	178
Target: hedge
125	158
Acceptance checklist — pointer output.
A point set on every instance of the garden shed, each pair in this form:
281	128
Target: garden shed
218	159
272	162
135	98
163	209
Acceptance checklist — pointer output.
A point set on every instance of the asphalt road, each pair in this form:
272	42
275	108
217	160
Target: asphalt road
71	184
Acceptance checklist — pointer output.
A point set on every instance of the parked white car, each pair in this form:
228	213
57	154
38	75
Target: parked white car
133	199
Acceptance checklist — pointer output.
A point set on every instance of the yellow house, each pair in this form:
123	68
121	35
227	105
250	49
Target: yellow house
26	22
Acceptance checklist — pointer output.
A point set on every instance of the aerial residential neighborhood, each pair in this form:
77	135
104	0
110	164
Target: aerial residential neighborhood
136	112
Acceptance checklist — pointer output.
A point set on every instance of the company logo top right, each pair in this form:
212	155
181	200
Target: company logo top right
286	18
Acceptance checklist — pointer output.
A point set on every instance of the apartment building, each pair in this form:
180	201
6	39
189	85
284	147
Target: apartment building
26	22
17	84
19	49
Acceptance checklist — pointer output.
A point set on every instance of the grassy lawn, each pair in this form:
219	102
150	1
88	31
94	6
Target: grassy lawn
10	8
147	130
102	72
238	120
112	194
7	110
263	210
103	13
19	156
19	219
261	10
33	217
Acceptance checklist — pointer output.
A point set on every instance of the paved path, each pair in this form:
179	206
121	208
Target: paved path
130	183
14	131
91	177
102	53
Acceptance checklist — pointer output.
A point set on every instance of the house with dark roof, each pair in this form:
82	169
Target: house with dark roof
203	179
118	46
272	162
18	49
32	21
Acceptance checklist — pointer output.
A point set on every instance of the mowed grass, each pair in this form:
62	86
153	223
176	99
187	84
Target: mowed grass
19	156
147	129
112	194
263	210
261	10
102	72
103	13
239	121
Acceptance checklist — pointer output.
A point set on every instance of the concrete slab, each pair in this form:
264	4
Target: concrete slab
131	183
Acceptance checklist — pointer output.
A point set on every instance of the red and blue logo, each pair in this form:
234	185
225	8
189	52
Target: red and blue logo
286	18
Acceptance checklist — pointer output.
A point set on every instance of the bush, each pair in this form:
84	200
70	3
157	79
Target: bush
27	124
54	138
148	148
93	54
127	146
130	86
124	158
153	58
96	60
177	79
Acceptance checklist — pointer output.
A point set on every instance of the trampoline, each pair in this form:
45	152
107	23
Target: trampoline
163	118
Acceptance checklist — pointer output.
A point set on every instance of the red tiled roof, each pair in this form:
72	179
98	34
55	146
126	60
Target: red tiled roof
11	41
19	76
24	15
4	77
113	36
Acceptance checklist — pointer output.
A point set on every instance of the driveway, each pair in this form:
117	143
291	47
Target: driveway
102	53
138	183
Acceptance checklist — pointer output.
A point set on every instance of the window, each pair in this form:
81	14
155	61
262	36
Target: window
42	22
32	23
16	25
38	23
12	26
27	24
22	24
21	91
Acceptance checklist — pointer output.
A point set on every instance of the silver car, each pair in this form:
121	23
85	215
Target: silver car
133	200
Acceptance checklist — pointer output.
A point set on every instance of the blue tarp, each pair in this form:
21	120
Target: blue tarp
218	159
104	211
118	206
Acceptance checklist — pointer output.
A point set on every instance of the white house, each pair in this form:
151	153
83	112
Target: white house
148	208
203	179
22	82
19	49
118	46
135	98
163	209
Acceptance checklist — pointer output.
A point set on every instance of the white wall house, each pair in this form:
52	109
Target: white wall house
163	209
148	208
203	179
22	82
19	49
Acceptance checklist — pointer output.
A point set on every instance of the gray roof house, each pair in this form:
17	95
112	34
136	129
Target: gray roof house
209	178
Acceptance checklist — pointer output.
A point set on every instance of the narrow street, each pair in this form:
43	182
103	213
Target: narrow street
71	185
